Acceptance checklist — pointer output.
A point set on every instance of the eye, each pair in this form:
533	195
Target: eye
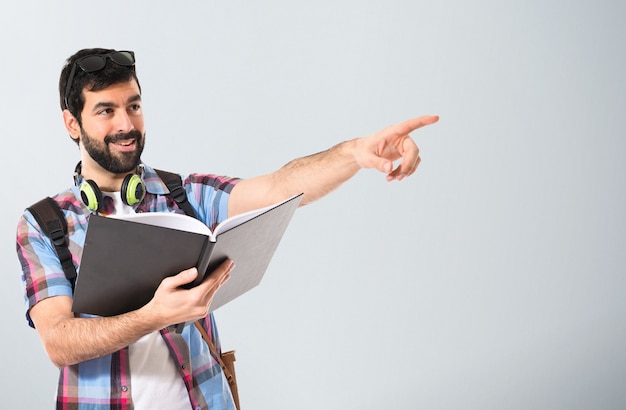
105	111
135	108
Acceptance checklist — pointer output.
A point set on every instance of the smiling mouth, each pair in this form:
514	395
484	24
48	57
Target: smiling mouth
125	143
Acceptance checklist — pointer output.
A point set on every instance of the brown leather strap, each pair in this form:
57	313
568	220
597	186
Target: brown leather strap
215	353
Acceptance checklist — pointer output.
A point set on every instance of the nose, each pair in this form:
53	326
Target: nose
124	122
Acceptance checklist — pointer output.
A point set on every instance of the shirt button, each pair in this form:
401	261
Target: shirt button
183	366
124	388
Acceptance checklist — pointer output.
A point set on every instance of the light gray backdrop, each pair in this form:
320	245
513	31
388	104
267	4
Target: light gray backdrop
494	278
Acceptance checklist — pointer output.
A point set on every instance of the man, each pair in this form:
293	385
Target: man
137	359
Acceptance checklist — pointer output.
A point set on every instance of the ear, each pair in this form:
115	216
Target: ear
71	124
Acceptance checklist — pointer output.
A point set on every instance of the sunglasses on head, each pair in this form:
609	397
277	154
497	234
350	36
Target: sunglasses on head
96	62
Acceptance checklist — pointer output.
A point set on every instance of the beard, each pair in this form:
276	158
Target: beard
118	164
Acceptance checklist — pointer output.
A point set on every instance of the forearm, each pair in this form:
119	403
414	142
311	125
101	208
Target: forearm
319	174
314	175
70	340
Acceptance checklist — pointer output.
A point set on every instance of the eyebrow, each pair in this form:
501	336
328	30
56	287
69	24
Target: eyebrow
106	104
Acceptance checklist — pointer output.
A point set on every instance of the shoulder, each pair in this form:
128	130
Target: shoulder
32	239
68	202
217	182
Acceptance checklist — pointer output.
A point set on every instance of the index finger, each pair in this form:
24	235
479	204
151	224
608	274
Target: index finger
406	127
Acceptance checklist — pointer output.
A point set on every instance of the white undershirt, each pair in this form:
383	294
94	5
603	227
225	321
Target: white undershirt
155	381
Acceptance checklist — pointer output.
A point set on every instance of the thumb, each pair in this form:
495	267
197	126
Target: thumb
372	160
366	155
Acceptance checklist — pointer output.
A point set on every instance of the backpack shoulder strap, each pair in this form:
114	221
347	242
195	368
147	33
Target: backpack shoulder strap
175	184
52	221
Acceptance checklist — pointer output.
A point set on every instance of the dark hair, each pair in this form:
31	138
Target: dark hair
111	74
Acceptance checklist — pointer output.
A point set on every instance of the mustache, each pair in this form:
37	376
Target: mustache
134	135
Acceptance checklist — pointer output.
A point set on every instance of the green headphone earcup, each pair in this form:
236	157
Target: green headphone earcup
91	195
133	190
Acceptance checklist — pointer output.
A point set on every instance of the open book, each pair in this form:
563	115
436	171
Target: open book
126	257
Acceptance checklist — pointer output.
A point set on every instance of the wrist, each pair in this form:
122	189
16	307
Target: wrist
347	152
147	319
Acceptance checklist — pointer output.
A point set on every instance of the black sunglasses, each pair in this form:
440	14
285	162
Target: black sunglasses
96	62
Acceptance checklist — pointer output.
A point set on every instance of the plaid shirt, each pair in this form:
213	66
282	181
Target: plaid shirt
105	383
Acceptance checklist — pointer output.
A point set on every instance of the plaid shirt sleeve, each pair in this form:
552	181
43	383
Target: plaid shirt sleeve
42	274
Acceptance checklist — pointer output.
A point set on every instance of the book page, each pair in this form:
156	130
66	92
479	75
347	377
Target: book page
168	220
186	223
236	220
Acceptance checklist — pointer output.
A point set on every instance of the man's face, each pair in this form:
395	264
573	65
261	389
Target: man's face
112	131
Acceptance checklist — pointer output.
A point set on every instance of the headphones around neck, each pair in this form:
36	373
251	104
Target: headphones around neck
132	192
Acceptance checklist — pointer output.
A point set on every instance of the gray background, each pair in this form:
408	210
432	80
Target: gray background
494	278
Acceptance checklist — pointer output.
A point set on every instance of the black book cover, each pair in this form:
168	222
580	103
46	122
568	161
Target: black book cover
124	262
